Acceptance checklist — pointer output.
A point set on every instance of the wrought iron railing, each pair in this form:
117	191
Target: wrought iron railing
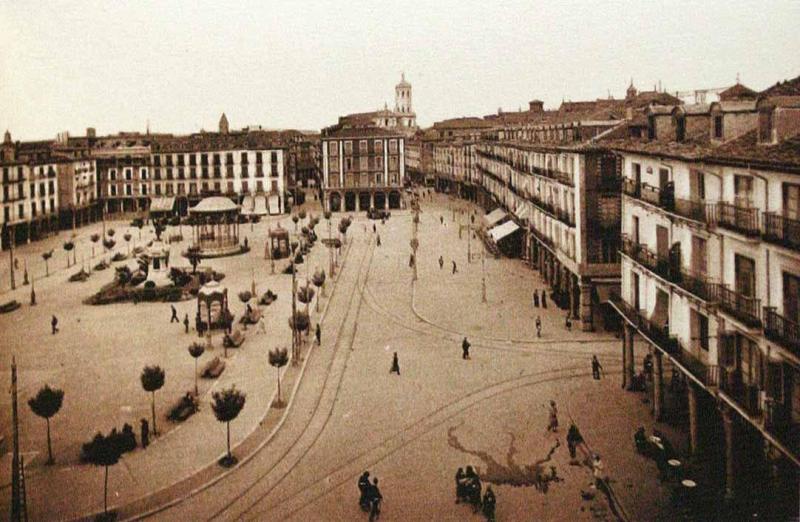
782	230
744	308
690	208
782	330
739	219
745	395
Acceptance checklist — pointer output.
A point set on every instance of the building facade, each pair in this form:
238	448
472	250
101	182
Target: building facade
401	119
362	168
711	280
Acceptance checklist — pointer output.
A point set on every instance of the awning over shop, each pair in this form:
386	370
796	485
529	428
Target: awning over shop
274	204
247	205
501	231
260	207
162	204
494	217
523	211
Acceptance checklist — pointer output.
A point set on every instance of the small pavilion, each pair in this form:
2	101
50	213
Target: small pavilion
279	242
212	305
215	227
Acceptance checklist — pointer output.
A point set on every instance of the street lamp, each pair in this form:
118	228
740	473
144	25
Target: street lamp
483	276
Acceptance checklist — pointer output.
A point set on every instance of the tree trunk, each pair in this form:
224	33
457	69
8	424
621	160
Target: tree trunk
153	409
279	385
49	446
46	269
228	427
105	492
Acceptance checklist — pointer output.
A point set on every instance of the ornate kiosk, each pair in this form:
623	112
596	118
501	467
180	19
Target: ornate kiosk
212	306
215	227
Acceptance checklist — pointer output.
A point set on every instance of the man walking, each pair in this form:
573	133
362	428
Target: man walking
395	364
186	323
54	324
596	368
318	335
441	262
553	424
538	326
145	432
465	349
174	318
455	269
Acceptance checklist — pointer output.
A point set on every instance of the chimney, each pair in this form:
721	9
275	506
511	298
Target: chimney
536	106
91	132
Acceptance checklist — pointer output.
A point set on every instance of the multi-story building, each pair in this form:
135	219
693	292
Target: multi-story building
30	191
247	166
711	277
402	119
123	166
362	168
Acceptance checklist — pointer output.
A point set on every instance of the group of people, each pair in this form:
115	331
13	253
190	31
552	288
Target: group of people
370	496
441	264
468	489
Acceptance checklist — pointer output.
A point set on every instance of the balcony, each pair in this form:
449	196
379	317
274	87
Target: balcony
696	284
782	230
742	307
745	395
782	330
691	209
739	219
660	197
631	188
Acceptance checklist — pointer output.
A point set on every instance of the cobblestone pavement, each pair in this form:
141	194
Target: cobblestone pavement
414	430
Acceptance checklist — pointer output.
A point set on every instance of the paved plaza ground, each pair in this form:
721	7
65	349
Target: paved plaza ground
348	413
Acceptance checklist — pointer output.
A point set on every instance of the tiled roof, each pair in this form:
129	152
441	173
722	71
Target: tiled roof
462	123
360	132
747	150
736	92
212	141
785	88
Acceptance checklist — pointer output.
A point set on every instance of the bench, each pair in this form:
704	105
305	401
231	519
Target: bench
234	340
213	368
253	317
183	409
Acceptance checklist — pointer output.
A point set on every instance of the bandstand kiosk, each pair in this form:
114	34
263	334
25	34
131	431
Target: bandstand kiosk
215	227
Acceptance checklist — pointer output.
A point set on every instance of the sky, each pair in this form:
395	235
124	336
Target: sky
65	66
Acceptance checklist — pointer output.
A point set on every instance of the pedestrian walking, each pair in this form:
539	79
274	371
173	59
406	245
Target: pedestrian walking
145	433
318	334
455	269
441	219
374	230
489	502
411	261
568	323
460	477
378	240
54	324
465	349
574	438
544	298
596	368
553	417
538	326
174	318
395	364
186	323
262	326
375	498
597	470
363	488
441	262
536	298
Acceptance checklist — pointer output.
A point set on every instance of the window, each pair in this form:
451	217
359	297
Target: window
258	157
680	128
229	158
765	126
158	189
393	163
21	209
216	159
743	190
128	174
377	146
33	209
143	173
718	127
348	164
379	162
362	147
52	205
377	179
392	146
274	170
362	162
651	127
244	158
181	160
273	157
348	147
144	189
204	159
113	190
112	173
745	275
791	201
192	160
699	330
333	148
791	297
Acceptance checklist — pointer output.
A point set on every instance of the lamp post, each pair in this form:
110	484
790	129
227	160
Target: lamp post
292	248
483	276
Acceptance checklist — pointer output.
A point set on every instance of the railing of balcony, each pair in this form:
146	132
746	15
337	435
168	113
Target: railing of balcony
739	219
631	188
690	208
742	307
782	230
782	330
746	395
690	281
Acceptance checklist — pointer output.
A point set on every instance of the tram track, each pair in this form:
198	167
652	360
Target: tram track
350	470
334	371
